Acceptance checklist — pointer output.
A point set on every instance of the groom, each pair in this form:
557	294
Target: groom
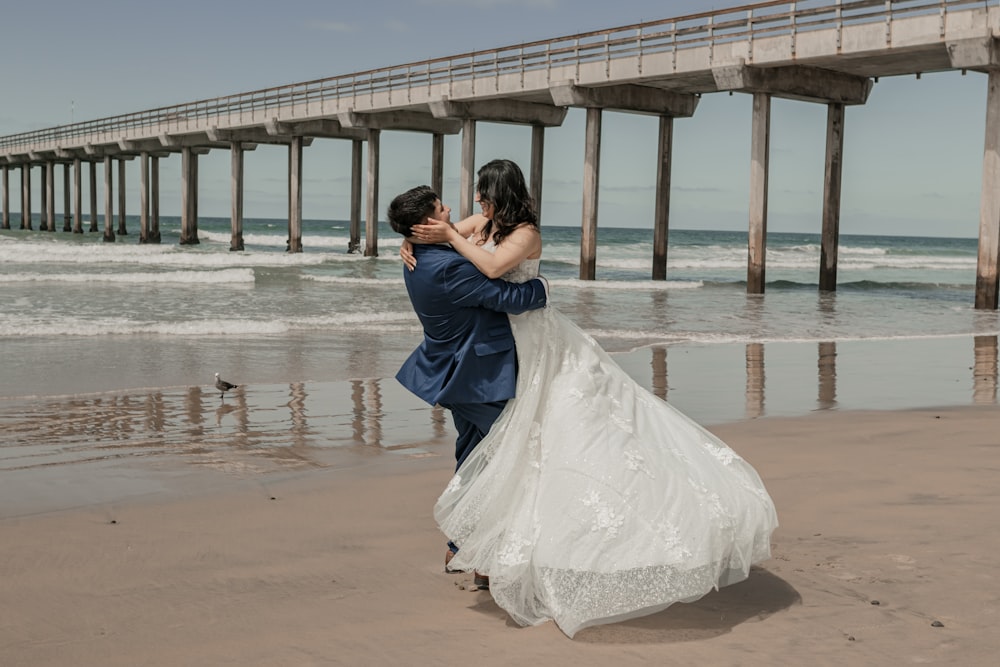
466	362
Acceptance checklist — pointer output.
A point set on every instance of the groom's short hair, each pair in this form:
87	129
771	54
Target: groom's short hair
410	208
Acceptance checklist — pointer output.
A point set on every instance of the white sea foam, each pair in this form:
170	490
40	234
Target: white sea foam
344	280
18	325
223	276
150	255
631	285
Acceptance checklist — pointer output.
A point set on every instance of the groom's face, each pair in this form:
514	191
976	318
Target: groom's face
440	212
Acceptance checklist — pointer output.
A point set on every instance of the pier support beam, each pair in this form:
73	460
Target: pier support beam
661	214
371	208
373	123
144	197
77	196
437	163
93	196
189	193
354	244
632	99
26	196
759	149
295	195
831	197
236	217
467	184
154	200
807	84
591	182
5	219
109	213
520	112
536	167
49	192
43	192
989	205
122	231
67	214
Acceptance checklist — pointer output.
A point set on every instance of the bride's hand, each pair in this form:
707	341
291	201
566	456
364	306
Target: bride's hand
434	231
406	253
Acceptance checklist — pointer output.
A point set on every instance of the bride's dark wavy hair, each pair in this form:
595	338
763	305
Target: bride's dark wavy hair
501	183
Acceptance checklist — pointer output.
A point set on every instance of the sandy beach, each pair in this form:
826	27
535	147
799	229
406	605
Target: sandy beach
886	554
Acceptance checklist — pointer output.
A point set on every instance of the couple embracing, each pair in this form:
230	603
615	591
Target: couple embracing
578	496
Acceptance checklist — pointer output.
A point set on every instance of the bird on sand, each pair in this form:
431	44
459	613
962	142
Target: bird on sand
223	386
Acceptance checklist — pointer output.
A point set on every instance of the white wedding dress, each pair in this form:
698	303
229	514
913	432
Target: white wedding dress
593	501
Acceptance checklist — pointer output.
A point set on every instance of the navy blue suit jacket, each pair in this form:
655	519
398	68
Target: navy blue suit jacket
467	355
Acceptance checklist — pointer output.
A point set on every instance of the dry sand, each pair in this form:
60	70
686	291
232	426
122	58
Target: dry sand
344	566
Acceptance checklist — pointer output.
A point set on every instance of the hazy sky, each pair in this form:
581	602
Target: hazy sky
913	153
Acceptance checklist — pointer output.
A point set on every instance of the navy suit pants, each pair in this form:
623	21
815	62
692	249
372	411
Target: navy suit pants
473	422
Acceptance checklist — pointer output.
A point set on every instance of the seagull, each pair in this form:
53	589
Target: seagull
223	386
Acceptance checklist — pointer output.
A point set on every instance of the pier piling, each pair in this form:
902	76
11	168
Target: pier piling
354	243
26	196
468	169
989	206
371	208
109	214
661	213
67	214
236	221
536	167
122	231
77	196
757	236
830	238
93	196
48	195
189	194
591	182
295	194
5	220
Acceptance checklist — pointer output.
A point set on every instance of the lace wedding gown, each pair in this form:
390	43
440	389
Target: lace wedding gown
593	501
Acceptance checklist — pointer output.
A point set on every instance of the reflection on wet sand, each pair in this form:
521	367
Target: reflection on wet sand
238	410
827	375
659	364
984	370
372	411
755	380
314	424
254	430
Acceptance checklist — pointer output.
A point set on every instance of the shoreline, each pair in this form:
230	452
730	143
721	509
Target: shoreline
341	565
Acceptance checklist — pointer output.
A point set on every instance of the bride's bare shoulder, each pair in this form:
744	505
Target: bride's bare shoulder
528	237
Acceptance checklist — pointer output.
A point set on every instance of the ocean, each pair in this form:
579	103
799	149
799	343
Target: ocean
107	350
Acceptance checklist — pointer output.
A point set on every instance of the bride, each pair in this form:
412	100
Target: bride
591	500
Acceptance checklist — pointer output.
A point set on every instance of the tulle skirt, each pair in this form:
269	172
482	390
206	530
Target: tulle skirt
593	501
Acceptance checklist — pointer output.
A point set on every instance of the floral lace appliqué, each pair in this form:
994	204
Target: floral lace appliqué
634	461
511	552
724	454
604	516
453	485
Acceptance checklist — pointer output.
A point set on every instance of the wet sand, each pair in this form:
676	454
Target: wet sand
290	524
342	565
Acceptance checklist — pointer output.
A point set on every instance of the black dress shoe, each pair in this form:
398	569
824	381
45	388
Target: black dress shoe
481	582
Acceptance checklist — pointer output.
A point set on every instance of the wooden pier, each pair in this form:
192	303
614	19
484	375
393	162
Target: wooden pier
819	51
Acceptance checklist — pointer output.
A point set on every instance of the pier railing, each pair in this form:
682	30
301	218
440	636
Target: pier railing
744	23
